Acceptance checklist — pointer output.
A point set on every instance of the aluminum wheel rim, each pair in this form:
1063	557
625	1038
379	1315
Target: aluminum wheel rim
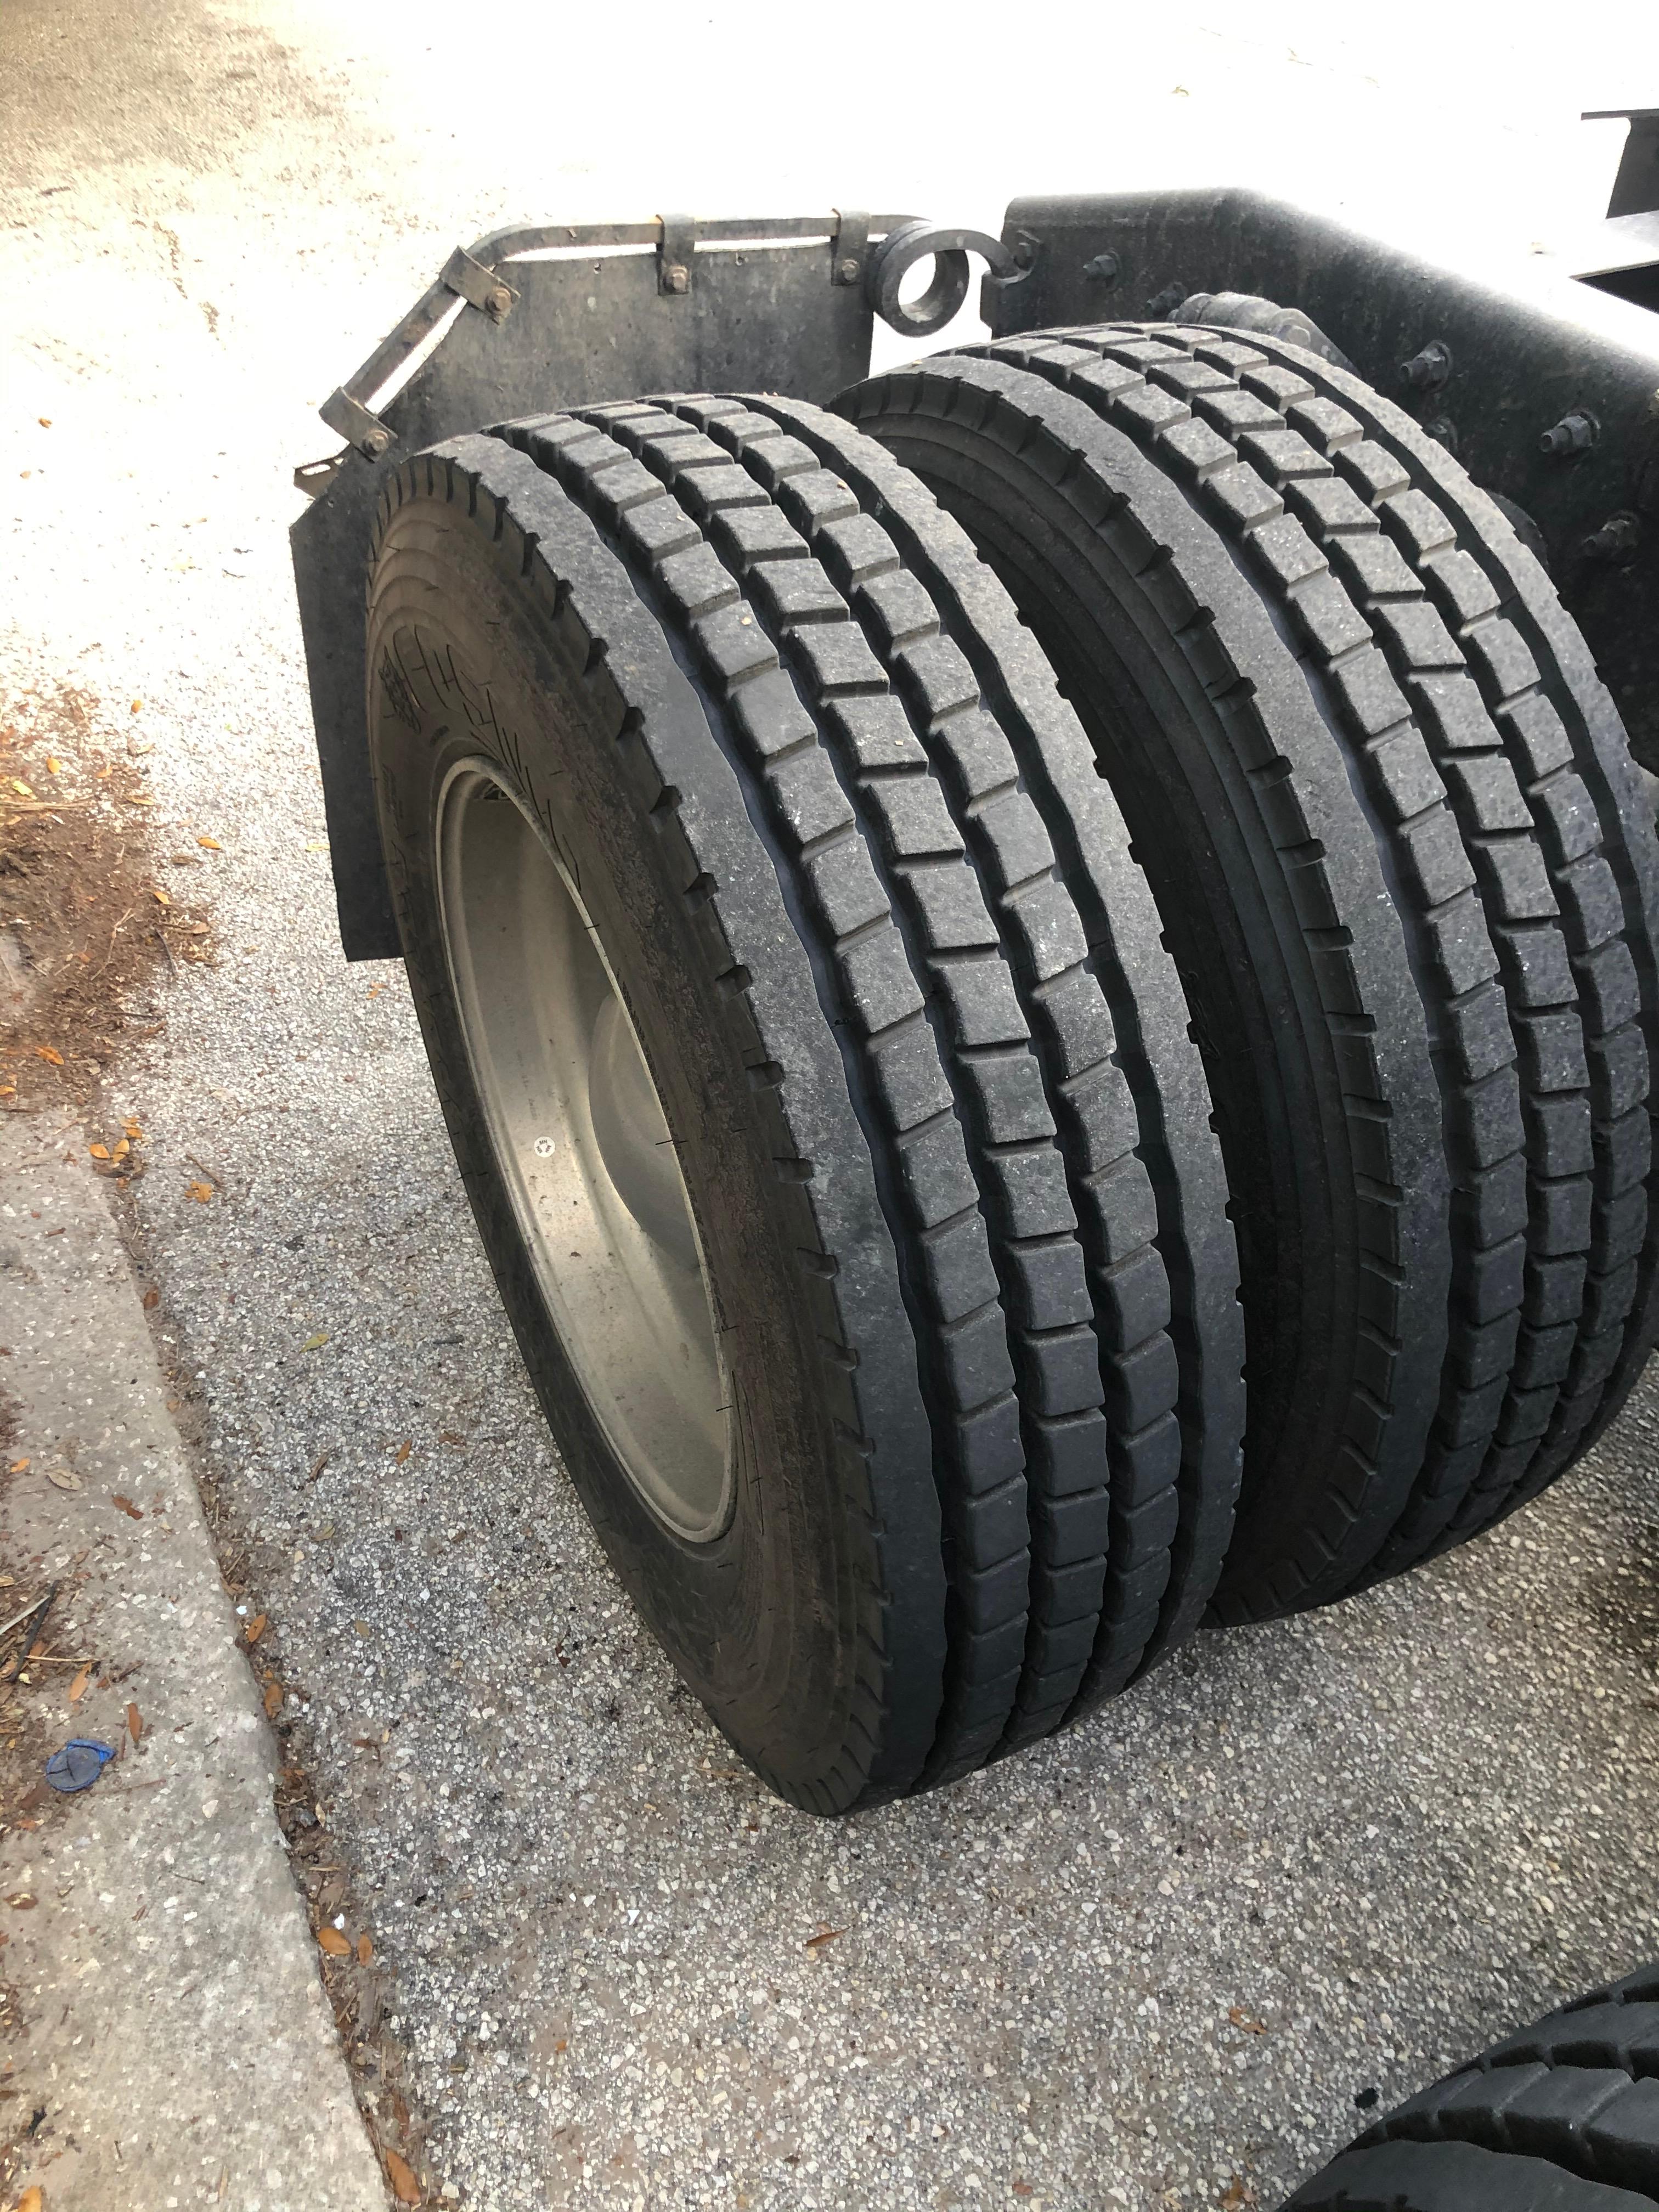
580	1136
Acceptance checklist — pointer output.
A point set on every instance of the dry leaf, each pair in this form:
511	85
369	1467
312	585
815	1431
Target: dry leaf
405	2187
1240	2018
210	844
20	1467
315	1343
51	1053
22	1902
78	1687
405	1449
125	1505
823	1935
98	1152
121	1150
365	1950
22	788
201	1193
61	1479
333	1942
136	704
31	2200
156	892
273	1698
53	766
256	1628
152	1299
135	1722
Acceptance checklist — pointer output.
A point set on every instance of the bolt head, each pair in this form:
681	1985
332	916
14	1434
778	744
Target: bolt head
1105	268
846	270
497	301
678	278
376	443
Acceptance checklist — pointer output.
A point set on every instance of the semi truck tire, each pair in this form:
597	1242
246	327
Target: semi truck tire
1398	841
1563	2115
798	1135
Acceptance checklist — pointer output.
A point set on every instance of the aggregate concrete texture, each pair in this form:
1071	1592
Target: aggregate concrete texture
178	2043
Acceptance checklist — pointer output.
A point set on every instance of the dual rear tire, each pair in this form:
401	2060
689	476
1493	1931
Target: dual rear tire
907	1398
870	1061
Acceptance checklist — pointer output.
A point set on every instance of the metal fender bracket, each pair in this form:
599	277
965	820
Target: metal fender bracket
528	320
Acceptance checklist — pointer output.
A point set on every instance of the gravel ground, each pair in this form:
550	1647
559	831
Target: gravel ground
1158	1963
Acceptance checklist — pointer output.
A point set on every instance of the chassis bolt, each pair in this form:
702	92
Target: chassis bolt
1444	431
1428	370
1574	433
1105	268
846	270
1618	538
376	443
677	278
1159	309
497	301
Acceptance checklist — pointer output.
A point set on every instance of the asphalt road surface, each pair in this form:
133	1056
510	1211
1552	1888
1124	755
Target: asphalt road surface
1159	1962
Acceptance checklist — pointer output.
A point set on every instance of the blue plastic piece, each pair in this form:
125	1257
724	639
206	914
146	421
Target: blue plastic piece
79	1764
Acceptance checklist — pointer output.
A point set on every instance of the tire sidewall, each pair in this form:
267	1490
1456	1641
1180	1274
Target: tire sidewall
467	663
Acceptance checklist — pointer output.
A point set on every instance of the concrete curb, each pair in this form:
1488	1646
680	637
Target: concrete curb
175	2028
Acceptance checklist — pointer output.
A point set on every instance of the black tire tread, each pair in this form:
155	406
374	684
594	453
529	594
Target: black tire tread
1619	1330
1578	2088
1453	2176
1534	971
999	1316
1498	720
549	549
1330	922
1155	1048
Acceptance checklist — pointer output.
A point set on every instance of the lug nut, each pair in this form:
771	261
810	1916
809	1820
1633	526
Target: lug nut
1104	270
1574	433
1428	370
1618	538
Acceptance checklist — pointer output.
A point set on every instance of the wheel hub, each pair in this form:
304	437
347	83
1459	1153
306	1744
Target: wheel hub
585	1151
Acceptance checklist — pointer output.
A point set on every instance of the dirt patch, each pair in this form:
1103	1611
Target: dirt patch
95	906
1624	1598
